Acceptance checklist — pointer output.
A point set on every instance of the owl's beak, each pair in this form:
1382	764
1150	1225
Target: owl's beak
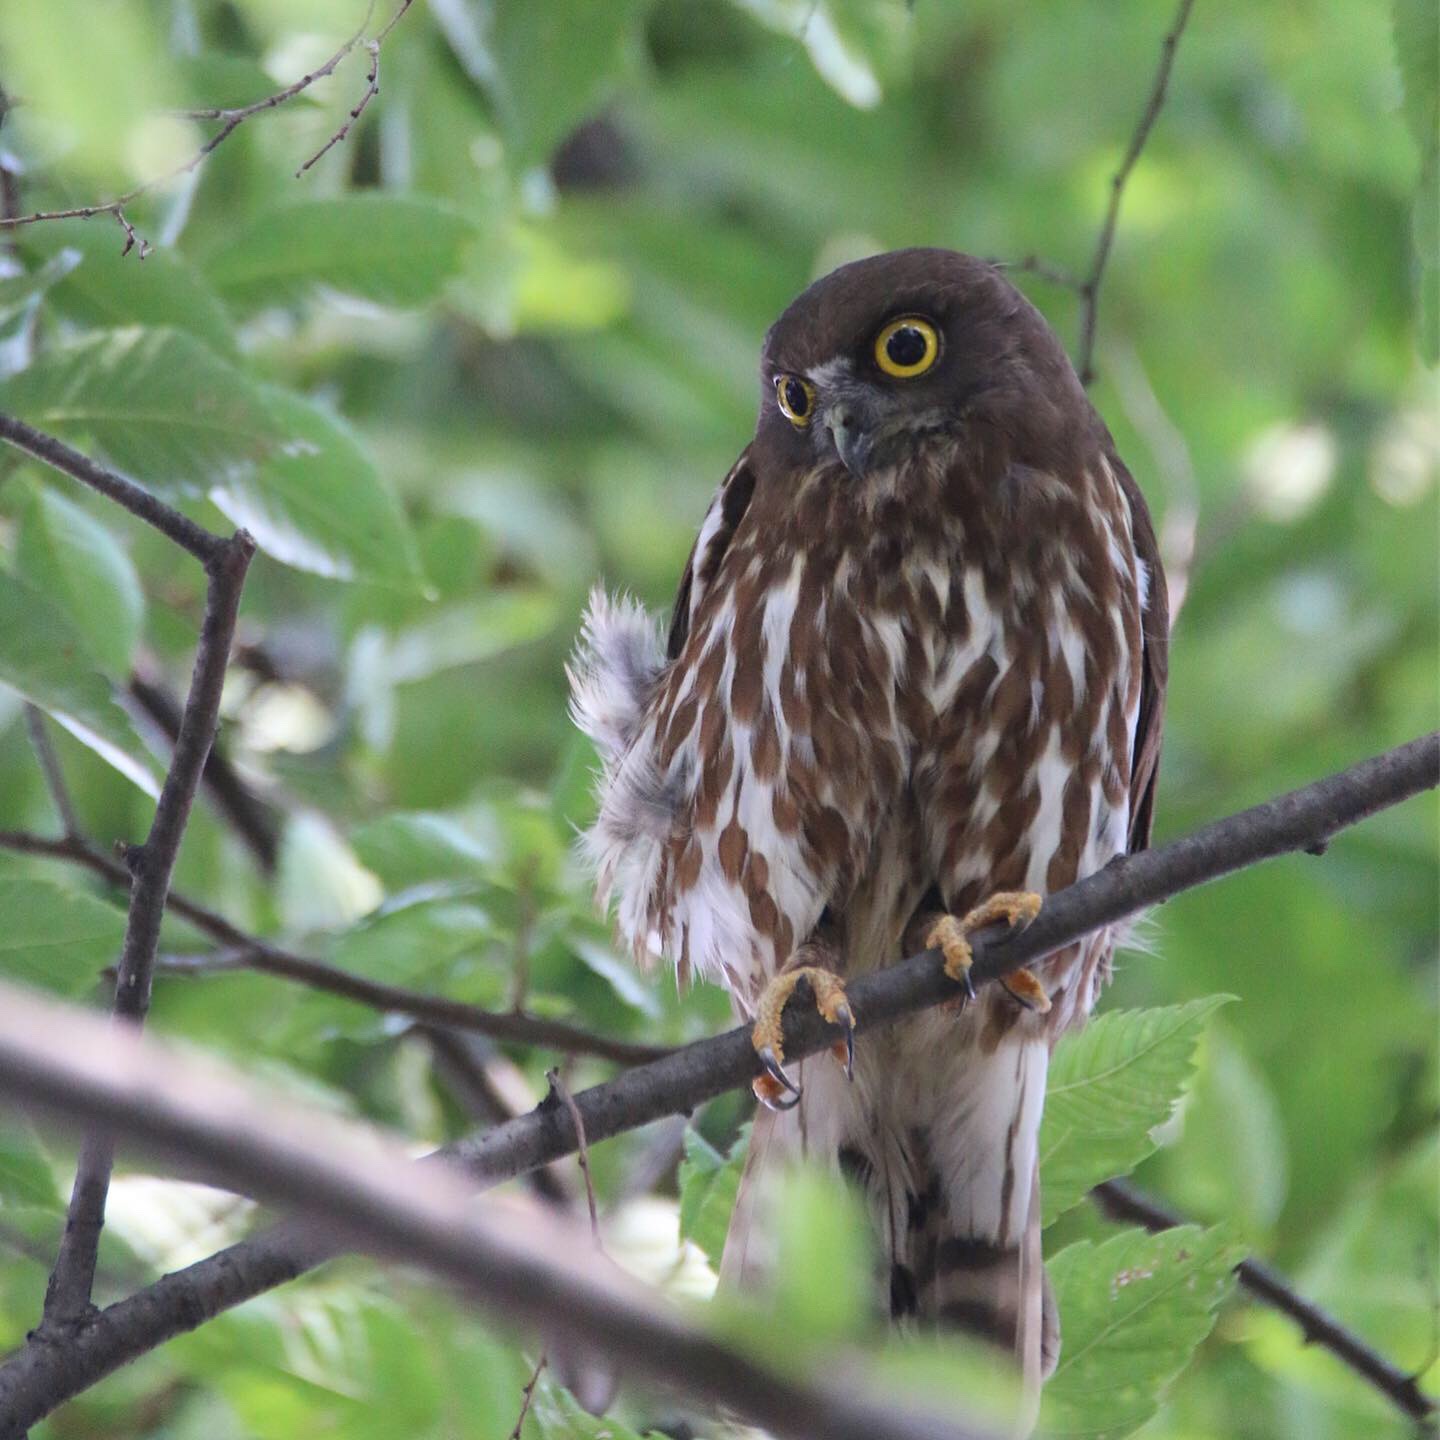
852	436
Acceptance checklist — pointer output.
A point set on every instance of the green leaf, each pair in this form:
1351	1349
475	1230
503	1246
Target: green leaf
556	64
45	658
94	77
413	941
156	403
20	295
1132	1313
559	1416
319	504
709	1183
26	1176
471	631
55	938
423	846
392	250
1233	1159
112	290
1417	53
321	885
824	1276
1110	1085
63	551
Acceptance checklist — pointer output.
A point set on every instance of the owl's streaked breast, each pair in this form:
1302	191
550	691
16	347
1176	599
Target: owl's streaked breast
882	686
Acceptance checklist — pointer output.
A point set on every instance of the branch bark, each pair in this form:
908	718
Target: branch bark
516	1258
39	1377
1090	286
1086	287
200	542
249	816
151	864
67	1297
1121	1201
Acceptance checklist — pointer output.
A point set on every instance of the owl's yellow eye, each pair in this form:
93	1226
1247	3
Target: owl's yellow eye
796	398
907	347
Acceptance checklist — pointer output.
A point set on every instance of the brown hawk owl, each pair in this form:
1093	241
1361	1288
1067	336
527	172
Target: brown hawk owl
915	672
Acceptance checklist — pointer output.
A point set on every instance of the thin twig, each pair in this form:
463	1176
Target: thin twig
372	89
1055	274
1087	286
256	954
527	1394
1090	289
38	1377
205	546
492	1090
248	815
561	1091
231	118
49	763
1122	1201
520	1260
67	1297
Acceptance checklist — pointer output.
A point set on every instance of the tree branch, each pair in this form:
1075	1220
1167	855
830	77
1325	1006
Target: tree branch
206	547
1087	286
40	1377
232	119
67	1297
1121	1201
249	816
249	952
521	1261
1090	289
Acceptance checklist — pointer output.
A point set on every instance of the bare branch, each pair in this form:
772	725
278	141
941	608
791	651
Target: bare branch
231	118
561	1091
1090	289
39	1377
1123	1202
243	950
205	546
372	89
1087	286
49	764
527	1394
518	1259
249	816
67	1298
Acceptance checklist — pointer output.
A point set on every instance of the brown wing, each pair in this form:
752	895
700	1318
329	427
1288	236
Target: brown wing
718	528
1155	666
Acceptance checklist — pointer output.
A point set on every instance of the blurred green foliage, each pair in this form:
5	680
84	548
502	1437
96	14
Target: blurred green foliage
501	343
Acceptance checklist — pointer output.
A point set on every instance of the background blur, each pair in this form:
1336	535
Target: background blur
516	318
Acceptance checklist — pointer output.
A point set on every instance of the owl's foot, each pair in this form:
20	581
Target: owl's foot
775	1089
950	935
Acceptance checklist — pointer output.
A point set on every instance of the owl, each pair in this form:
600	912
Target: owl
913	681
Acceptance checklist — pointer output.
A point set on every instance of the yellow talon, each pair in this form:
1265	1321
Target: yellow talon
949	935
774	1084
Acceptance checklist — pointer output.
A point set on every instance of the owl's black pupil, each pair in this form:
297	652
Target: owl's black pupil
906	346
796	398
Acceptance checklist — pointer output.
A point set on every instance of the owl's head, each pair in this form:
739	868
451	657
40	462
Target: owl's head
907	349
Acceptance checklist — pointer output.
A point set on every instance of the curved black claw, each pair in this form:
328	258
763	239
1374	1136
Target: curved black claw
845	1019
967	988
773	1068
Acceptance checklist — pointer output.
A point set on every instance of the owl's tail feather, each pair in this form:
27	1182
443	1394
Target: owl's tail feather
613	672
